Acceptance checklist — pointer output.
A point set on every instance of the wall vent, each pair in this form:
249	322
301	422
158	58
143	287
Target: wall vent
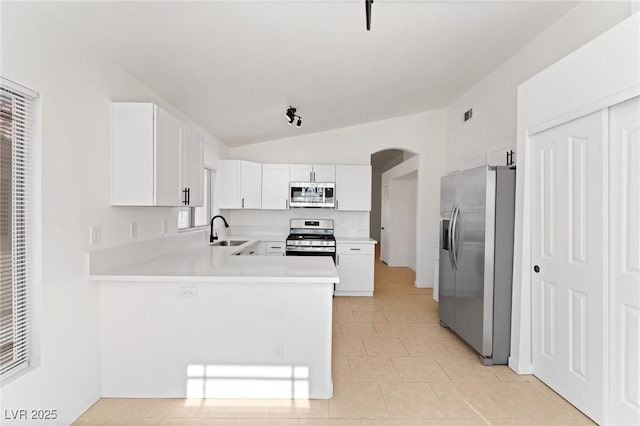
468	114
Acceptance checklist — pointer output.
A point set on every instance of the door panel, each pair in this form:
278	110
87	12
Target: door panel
168	155
469	234
447	275
384	220
193	168
567	240
624	133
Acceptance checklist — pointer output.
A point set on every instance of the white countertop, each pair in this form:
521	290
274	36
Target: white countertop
205	263
355	240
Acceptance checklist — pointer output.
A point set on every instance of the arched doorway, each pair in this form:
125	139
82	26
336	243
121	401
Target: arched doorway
394	205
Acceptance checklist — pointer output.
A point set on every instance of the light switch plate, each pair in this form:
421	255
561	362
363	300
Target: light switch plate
94	235
133	230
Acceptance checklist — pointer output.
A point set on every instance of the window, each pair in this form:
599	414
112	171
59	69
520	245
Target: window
15	226
193	217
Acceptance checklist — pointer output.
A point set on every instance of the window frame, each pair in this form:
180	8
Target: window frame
21	125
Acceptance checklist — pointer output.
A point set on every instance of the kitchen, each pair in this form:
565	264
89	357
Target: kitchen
78	84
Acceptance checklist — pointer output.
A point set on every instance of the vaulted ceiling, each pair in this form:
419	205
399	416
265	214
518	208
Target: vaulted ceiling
234	67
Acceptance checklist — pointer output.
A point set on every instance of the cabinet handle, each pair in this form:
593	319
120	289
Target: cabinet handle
337	260
355	249
286	204
275	247
337	205
184	201
188	196
243	203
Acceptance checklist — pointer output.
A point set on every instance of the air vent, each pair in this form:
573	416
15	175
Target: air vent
468	114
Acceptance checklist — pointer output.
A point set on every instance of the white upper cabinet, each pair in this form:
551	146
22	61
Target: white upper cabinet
275	186
240	184
501	155
313	173
192	168
168	191
150	162
353	188
324	173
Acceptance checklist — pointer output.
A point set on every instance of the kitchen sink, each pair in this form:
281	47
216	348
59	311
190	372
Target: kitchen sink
231	243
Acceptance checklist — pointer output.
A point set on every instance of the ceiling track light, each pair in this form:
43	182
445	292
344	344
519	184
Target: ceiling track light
291	116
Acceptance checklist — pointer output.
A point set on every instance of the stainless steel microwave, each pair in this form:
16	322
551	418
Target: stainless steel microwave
312	194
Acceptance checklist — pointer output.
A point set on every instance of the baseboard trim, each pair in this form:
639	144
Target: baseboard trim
520	368
129	390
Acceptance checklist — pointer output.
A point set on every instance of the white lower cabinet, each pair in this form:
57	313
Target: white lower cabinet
275	248
355	268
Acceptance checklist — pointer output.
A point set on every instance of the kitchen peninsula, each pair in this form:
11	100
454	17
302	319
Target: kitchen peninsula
180	318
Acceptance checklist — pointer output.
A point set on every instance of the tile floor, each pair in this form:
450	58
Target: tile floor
392	365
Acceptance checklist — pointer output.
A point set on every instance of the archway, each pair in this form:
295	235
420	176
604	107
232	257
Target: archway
394	205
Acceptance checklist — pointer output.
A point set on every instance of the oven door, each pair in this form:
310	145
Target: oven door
312	251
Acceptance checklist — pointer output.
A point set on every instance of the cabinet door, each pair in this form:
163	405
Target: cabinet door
324	173
169	131
275	186
353	188
193	167
356	274
227	190
250	185
300	172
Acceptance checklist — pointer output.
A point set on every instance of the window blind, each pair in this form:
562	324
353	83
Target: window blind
15	252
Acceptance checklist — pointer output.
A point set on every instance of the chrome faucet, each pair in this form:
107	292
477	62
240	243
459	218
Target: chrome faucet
213	237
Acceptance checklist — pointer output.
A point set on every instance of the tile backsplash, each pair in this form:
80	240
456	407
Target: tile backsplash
276	222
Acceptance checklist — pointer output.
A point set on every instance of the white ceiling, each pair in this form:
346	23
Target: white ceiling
234	67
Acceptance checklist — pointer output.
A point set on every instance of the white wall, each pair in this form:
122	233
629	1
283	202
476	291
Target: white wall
76	85
493	99
422	133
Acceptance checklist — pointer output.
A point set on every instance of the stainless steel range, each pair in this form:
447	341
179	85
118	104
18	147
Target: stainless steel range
311	237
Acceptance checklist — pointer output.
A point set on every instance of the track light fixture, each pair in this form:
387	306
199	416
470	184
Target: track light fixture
367	12
291	116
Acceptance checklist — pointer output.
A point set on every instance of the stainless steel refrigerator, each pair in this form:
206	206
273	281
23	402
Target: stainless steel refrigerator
476	258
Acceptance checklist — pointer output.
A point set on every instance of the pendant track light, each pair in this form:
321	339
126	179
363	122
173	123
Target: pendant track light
367	11
291	116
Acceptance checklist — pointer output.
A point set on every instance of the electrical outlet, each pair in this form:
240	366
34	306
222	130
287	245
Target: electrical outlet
188	292
165	226
278	351
133	230
94	235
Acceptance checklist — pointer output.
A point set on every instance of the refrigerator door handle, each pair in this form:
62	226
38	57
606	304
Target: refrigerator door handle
450	237
453	231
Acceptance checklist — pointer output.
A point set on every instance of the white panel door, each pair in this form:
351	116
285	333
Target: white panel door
167	159
568	291
250	185
353	188
275	186
624	136
384	221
